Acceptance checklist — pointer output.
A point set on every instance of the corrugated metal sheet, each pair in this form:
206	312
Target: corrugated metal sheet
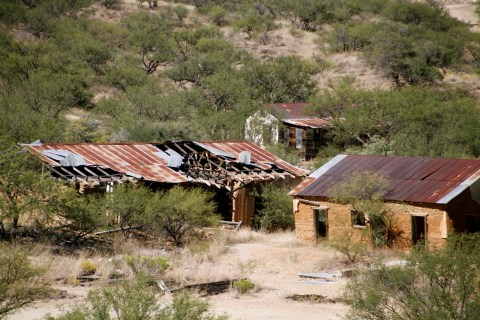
260	156
122	157
411	179
146	160
315	123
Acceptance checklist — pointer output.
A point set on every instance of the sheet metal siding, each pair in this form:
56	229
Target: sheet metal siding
411	179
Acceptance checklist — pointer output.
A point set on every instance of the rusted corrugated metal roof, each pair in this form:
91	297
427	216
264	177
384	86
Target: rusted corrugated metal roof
296	114
136	158
412	179
147	161
315	123
258	155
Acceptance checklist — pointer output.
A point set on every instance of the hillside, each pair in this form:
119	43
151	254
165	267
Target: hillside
124	70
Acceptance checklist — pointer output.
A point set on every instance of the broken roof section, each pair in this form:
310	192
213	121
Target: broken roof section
212	163
295	114
412	179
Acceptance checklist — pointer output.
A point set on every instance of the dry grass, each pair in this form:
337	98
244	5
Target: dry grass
228	255
68	267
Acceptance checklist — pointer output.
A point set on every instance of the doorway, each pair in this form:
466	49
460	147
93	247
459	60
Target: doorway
321	222
419	230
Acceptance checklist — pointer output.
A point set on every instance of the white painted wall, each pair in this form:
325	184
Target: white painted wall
257	123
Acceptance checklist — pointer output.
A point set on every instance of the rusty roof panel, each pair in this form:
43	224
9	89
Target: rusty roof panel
313	122
138	158
142	159
294	110
258	155
412	179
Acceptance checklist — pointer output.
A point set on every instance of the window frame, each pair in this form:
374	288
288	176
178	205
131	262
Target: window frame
355	215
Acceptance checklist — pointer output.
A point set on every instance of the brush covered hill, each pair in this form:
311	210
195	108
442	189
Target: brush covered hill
397	77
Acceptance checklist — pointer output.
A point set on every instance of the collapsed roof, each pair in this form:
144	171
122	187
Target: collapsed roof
220	164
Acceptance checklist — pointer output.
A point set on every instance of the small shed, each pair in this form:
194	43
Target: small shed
287	123
231	169
428	198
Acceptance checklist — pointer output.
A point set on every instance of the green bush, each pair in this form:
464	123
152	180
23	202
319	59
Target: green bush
219	15
151	268
276	211
20	282
178	211
243	286
137	300
88	267
438	283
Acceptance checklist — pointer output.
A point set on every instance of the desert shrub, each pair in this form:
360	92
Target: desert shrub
20	281
128	203
23	188
218	15
151	268
437	283
252	23
416	13
402	120
349	243
11	12
137	300
111	4
276	211
88	267
282	79
364	192
79	214
243	286
178	211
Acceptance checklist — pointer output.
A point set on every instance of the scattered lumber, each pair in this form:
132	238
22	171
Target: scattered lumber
209	288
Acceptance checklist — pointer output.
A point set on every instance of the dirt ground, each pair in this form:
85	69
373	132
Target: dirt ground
274	271
272	263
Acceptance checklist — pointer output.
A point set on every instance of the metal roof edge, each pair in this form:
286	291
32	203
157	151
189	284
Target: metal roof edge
327	166
460	188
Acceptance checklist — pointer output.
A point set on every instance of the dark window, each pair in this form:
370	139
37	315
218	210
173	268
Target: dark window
358	219
418	229
472	223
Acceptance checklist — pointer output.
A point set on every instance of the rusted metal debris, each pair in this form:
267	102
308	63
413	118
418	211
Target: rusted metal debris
226	165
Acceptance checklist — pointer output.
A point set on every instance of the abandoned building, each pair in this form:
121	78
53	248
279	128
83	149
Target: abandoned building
427	199
287	123
231	169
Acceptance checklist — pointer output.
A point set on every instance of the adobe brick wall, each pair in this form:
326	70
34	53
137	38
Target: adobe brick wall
339	222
